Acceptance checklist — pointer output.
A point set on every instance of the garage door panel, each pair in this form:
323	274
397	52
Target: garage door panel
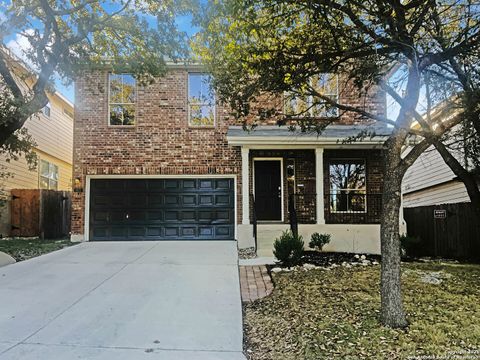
137	201
206	200
189	200
154	216
162	209
172	216
155	200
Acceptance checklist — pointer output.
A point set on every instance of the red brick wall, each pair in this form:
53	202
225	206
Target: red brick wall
161	142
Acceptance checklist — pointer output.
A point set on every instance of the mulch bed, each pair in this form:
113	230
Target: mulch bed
326	259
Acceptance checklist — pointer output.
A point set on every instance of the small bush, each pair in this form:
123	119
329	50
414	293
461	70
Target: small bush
288	249
318	241
410	245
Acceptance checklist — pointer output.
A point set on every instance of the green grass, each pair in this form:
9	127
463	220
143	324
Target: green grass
26	248
320	314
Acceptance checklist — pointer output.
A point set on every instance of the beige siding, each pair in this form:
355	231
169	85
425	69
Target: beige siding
428	170
23	178
54	134
451	192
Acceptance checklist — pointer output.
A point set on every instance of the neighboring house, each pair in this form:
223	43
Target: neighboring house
429	181
166	161
52	130
437	208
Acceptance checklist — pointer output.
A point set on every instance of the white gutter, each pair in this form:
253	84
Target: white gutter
301	140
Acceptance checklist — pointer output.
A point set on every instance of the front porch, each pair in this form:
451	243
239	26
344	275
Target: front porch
325	187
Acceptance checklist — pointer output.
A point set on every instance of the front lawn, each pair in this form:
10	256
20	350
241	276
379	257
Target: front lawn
26	248
333	314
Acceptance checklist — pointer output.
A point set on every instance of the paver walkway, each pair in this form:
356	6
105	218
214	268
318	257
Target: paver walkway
255	282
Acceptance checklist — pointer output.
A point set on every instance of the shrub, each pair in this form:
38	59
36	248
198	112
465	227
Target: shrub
318	241
288	249
410	245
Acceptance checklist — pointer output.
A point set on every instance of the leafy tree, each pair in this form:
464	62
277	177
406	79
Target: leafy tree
65	35
404	48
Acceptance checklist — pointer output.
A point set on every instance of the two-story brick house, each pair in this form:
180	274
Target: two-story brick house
166	161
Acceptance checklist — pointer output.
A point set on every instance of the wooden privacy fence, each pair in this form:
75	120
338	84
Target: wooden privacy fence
42	213
448	230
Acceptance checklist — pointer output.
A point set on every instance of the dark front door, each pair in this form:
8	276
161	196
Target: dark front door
162	209
268	189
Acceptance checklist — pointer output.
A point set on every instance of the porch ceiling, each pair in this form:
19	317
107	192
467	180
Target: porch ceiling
333	136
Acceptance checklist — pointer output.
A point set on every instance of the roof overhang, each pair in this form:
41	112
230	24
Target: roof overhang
273	137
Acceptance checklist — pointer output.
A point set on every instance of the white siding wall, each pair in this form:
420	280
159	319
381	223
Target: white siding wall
450	192
428	170
429	181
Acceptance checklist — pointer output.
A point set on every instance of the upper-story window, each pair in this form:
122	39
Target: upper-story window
201	100
308	105
48	175
348	189
47	109
121	99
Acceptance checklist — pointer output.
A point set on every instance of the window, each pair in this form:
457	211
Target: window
47	109
121	99
347	186
201	100
48	175
298	105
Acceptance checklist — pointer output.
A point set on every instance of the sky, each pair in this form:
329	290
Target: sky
16	43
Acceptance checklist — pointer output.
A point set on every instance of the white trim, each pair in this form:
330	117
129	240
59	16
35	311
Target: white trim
281	184
319	186
301	142
245	185
135	104
86	220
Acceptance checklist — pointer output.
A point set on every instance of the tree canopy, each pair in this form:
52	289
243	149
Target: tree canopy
63	36
423	53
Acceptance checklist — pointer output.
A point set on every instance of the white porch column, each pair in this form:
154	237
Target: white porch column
245	186
319	185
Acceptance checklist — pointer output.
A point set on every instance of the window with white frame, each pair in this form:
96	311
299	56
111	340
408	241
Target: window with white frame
48	175
47	109
121	99
348	190
201	100
299	105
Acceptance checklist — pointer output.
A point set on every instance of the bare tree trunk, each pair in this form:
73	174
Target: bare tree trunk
392	313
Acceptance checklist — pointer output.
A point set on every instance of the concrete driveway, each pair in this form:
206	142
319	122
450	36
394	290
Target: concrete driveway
124	301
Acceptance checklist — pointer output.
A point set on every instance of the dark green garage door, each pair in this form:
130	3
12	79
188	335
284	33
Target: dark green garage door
162	209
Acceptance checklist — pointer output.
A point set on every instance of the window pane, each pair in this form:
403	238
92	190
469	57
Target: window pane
44	168
348	200
115	88
202	115
347	175
295	105
128	115
199	89
53	172
53	185
43	183
47	109
128	88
